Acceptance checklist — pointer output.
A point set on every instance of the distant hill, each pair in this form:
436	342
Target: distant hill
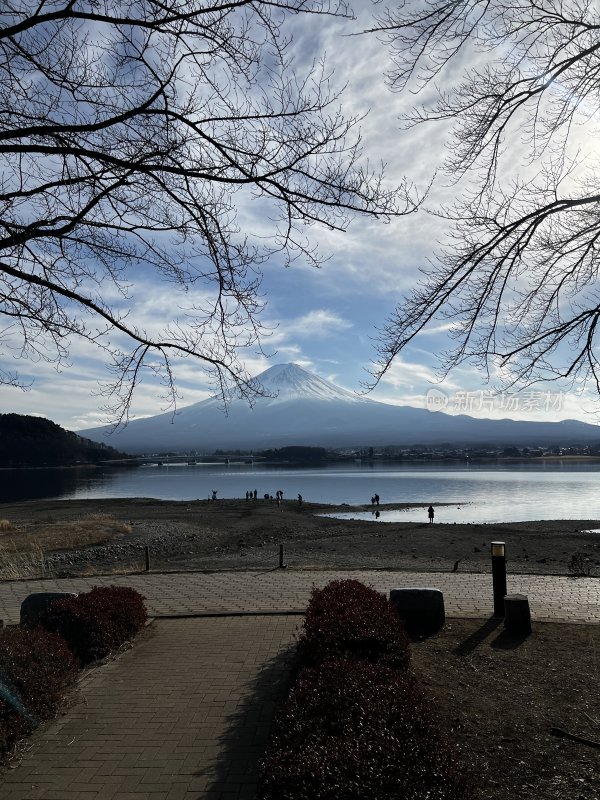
302	409
35	442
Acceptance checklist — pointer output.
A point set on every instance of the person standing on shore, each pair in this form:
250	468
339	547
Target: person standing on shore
431	513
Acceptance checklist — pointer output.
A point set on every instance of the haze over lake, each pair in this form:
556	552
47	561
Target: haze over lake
479	493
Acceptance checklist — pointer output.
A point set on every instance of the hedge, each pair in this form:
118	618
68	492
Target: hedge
96	622
359	731
347	618
357	725
36	668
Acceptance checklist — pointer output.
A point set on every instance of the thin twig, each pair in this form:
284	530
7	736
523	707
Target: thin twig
573	737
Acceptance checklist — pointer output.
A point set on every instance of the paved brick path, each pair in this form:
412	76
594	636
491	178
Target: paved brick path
551	597
184	714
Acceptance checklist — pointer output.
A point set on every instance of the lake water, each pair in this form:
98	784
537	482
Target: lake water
478	493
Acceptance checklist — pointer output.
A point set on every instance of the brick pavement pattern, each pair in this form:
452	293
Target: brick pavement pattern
551	597
183	715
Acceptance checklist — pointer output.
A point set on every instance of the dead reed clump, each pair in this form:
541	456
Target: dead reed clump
16	565
52	534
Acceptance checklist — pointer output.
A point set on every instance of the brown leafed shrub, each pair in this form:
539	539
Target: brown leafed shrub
359	731
357	725
347	618
97	622
35	669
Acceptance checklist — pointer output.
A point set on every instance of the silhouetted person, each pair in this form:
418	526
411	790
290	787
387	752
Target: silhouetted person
430	513
255	494
299	499
376	498
214	494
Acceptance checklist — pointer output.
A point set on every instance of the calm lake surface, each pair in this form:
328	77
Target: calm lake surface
478	493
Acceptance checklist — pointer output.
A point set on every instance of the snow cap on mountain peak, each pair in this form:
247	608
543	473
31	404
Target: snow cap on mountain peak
290	382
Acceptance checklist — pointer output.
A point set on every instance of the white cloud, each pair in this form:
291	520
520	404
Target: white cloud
319	322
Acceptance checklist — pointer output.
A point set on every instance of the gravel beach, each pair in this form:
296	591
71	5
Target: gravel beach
239	534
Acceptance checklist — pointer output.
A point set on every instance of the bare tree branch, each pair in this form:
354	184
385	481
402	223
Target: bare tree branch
518	276
130	133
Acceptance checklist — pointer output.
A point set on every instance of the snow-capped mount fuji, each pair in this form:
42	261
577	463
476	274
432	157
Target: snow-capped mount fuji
301	408
286	382
296	407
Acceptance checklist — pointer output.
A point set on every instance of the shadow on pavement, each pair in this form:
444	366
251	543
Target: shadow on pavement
240	748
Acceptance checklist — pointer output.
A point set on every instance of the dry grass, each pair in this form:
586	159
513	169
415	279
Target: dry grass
22	546
15	565
31	537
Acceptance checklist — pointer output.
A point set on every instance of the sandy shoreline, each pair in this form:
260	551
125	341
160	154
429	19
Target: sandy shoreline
235	534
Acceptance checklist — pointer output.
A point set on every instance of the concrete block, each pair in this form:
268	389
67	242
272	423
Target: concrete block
422	608
36	604
517	617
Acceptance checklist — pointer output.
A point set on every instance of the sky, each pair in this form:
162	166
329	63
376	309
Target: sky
325	319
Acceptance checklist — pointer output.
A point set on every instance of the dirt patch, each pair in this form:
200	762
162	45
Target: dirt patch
502	697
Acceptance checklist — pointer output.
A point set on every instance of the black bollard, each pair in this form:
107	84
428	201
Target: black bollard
499	576
147	557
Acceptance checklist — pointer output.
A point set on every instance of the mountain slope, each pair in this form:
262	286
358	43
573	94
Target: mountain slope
304	409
